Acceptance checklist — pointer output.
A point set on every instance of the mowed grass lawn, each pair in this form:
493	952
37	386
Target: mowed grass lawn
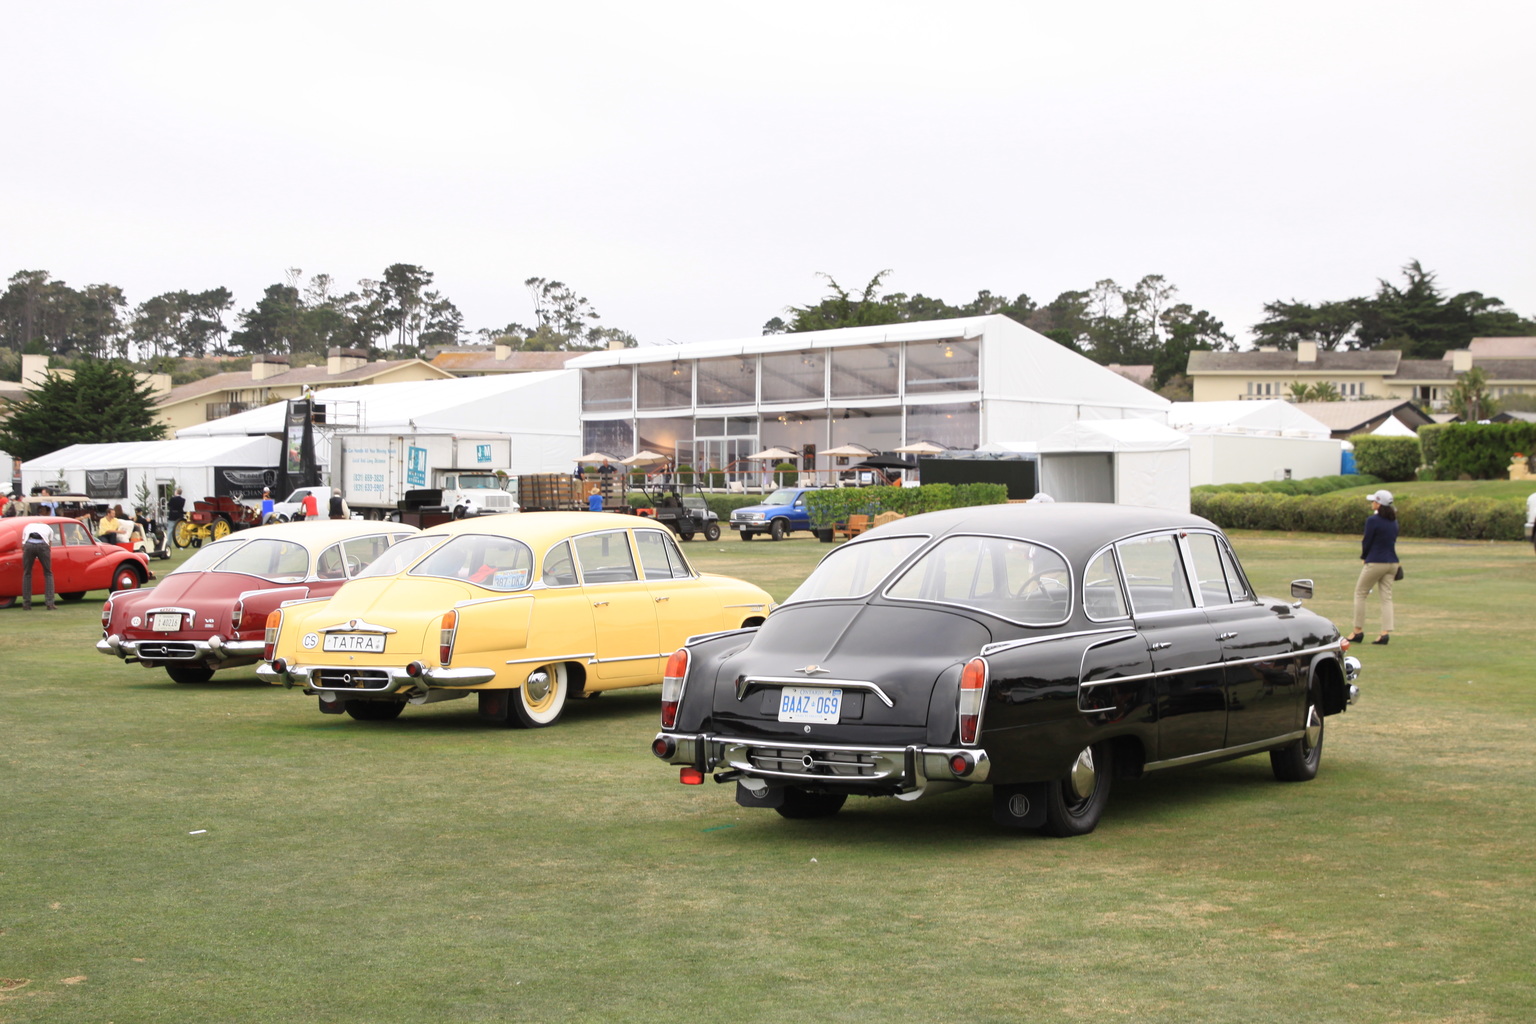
439	869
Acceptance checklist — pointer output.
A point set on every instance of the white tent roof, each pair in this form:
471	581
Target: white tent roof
460	405
1114	436
1273	418
204	451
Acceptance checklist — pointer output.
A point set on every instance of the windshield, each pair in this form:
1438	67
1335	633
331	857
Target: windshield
394	561
782	497
296	497
1004	576
270	559
856	569
207	557
478	483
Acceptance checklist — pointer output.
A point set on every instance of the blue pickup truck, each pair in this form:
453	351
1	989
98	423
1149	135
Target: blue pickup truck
781	512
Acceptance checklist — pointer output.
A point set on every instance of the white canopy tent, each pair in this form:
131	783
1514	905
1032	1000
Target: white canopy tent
536	411
238	466
1124	462
1245	442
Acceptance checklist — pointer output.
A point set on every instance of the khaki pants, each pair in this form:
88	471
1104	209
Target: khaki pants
1379	575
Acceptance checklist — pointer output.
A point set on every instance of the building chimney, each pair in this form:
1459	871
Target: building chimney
1461	360
1306	351
340	360
615	345
502	351
34	371
264	366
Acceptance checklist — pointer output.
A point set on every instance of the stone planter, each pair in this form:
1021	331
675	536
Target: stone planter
1519	469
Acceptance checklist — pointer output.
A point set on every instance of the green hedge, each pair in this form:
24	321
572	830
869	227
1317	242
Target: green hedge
1390	458
834	505
1481	451
1432	515
1311	485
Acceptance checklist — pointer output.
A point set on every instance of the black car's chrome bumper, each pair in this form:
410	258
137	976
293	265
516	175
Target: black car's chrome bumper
905	770
213	650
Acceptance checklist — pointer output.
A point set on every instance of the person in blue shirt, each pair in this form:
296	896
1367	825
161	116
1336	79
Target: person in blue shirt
1378	550
267	504
594	499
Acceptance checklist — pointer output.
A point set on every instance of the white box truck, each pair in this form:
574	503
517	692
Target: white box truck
375	471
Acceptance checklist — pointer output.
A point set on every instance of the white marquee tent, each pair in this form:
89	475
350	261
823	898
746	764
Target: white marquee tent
1126	462
114	472
1248	442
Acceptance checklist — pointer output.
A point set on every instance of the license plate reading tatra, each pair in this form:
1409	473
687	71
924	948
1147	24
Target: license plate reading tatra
365	643
810	704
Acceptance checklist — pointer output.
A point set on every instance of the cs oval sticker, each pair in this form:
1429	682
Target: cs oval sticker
310	640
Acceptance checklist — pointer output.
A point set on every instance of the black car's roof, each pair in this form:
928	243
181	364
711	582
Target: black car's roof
1077	529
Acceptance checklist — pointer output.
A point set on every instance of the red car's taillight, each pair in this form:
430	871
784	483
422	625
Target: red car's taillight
274	623
973	687
445	638
672	686
106	616
236	615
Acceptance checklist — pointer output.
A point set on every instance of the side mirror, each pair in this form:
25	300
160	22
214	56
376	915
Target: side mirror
1301	590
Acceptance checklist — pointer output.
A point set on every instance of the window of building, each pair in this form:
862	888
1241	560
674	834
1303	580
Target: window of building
616	436
952	365
956	425
731	381
865	371
665	385
794	377
608	388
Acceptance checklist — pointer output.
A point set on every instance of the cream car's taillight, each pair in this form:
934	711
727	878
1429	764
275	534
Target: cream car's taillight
274	624
445	638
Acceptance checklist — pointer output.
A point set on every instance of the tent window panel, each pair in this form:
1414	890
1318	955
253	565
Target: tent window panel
794	377
616	436
608	388
666	385
953	365
865	371
728	381
958	425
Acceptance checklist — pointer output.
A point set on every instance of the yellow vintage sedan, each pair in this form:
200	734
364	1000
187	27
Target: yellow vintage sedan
525	610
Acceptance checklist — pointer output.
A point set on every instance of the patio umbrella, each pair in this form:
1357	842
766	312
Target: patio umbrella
850	450
598	457
644	457
922	448
774	453
886	462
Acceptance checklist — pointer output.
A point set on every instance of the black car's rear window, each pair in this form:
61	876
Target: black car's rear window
1013	579
856	570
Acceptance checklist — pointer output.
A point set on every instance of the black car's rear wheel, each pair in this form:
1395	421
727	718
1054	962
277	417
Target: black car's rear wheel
374	710
1298	761
1074	803
799	803
189	673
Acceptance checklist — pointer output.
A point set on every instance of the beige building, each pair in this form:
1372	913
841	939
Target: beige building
270	379
482	362
1509	363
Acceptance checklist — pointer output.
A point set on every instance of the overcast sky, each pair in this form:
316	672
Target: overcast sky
689	167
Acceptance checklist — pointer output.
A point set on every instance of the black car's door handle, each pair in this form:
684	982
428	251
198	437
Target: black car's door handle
1162	644
1227	636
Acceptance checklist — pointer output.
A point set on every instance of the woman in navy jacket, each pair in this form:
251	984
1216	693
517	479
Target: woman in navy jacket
1378	550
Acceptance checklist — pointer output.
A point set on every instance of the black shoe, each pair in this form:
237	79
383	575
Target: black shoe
1359	636
1382	640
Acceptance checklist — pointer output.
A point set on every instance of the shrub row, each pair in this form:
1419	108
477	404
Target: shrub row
1481	451
1432	515
834	505
1388	458
1311	485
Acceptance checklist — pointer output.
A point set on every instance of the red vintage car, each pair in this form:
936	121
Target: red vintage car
211	611
80	562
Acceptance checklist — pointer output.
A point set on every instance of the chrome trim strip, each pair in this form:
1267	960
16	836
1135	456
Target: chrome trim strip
398	680
628	657
521	596
745	684
590	655
356	626
1285	656
1237	751
701	637
1007	645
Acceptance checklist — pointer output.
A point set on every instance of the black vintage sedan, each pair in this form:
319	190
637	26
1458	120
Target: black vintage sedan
1040	649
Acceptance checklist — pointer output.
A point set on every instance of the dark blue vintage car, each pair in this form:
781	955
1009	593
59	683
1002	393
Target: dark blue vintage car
1041	649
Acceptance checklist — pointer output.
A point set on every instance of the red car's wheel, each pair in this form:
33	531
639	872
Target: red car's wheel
126	578
6	602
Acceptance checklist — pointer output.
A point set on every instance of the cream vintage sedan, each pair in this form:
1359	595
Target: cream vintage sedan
523	610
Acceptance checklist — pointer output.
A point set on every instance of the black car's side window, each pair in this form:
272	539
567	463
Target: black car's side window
1103	595
1210	571
1154	571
